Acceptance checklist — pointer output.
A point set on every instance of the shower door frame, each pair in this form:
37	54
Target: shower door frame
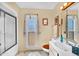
1	10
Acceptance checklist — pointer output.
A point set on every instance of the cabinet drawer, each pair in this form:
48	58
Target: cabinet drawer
53	52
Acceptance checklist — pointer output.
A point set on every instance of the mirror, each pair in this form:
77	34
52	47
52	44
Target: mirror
70	27
72	23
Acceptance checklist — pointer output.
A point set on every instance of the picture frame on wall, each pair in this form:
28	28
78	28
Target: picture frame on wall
45	21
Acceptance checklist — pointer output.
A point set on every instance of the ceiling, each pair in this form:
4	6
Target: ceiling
37	5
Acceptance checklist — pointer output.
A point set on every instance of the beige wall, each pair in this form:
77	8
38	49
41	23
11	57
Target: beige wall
45	31
62	15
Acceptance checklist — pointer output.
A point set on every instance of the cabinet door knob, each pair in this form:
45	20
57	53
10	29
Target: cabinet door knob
57	54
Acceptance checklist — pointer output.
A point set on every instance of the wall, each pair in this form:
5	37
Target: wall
45	32
62	15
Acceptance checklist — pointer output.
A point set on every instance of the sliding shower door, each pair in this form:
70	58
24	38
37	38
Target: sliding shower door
2	32
8	31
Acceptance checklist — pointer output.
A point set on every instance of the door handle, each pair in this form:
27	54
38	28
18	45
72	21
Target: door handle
57	54
0	44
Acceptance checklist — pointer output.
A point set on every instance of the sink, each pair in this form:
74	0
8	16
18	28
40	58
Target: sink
63	46
60	48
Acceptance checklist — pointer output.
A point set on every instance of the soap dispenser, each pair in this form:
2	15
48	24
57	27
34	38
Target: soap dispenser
61	38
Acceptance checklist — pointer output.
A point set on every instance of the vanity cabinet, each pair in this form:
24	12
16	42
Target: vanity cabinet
52	51
60	49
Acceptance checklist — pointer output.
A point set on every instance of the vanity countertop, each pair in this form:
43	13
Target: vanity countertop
62	48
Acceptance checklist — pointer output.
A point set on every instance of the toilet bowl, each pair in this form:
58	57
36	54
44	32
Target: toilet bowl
46	48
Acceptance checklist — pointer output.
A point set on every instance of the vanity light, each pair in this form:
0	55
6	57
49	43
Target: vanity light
61	7
66	5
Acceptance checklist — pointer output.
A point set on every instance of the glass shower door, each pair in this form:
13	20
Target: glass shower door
10	38
2	32
8	31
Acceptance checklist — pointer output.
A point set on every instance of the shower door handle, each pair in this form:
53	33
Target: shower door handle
0	44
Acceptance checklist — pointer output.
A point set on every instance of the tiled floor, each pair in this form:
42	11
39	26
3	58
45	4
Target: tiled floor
33	53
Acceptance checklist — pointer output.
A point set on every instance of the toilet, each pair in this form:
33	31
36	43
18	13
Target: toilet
45	48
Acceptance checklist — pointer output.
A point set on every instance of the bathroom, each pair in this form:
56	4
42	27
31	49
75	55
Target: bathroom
51	24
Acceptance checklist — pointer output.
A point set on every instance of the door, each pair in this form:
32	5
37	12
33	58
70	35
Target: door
10	31
2	32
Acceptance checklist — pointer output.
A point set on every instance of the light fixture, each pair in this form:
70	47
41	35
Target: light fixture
65	4
61	7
